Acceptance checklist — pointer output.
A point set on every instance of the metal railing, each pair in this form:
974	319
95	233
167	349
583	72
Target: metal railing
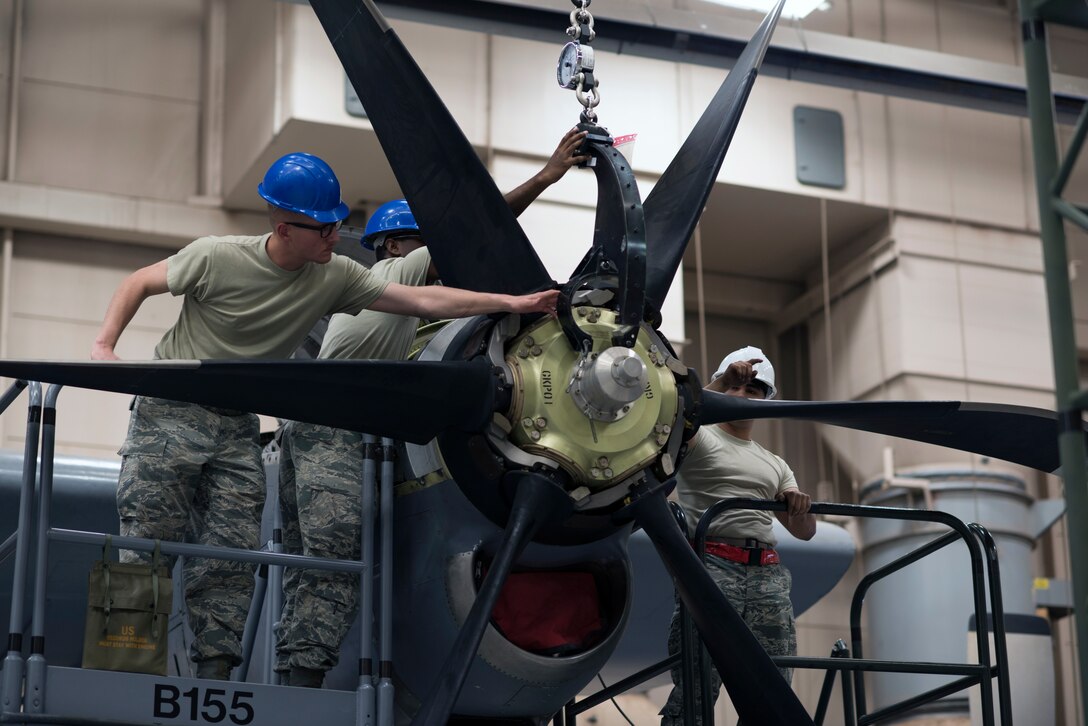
984	565
23	683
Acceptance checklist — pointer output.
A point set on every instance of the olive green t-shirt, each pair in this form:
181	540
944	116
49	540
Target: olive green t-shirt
720	466
374	335
240	304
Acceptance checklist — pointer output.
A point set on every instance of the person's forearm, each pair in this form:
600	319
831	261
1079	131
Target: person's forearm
122	308
562	159
520	198
802	526
436	302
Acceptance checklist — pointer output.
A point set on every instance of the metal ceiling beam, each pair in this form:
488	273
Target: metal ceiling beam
636	28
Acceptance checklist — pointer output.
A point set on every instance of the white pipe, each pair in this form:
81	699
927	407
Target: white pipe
6	253
16	66
214	84
279	94
916	483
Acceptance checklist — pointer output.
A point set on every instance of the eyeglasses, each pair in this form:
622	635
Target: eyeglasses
325	230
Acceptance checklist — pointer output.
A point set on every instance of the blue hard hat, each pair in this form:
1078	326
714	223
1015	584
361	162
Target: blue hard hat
305	184
391	217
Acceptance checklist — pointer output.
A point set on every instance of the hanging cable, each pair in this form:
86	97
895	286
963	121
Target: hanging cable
704	358
829	359
625	718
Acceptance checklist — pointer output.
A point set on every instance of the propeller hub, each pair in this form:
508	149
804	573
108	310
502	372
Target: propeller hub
602	416
604	386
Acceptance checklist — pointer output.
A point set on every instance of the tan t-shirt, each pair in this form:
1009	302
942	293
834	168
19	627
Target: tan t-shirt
374	335
720	466
240	304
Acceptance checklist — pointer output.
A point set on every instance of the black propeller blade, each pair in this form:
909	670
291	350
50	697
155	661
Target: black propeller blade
537	502
473	236
677	200
1022	435
758	691
390	398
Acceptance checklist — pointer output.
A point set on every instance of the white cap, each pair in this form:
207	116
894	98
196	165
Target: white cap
764	369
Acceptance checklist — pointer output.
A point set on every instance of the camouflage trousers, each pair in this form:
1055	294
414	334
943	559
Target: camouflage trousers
191	473
761	596
321	471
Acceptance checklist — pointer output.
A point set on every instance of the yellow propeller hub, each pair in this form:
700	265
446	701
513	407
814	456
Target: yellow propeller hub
603	414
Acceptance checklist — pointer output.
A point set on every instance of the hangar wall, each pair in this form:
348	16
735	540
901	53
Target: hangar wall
119	107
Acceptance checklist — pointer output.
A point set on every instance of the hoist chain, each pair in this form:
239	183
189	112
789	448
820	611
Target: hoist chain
581	31
580	17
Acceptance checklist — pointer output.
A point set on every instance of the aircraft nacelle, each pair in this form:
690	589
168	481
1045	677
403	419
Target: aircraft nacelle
443	547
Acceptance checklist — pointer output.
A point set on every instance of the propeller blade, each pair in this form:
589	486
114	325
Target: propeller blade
537	502
758	691
390	398
677	200
475	241
1019	434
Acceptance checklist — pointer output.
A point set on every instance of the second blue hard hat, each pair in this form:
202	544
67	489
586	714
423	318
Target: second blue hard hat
305	184
388	219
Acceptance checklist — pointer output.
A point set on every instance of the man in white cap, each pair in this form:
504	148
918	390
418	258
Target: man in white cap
723	462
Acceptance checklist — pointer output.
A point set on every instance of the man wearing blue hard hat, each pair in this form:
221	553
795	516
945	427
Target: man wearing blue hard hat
195	472
320	467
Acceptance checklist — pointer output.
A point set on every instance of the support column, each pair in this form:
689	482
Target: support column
1059	300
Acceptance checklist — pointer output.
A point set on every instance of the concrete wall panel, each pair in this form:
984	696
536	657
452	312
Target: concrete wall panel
1006	335
931	328
250	114
968	242
837	18
1068	49
864	336
987	167
867	19
1076	189
73	280
314	78
637	96
911	23
1031	205
762	152
7	12
6	19
454	61
975	31
874	162
919	157
1078	256
124	46
118	109
78	137
60	289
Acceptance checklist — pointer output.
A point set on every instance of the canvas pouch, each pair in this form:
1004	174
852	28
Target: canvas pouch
128	611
